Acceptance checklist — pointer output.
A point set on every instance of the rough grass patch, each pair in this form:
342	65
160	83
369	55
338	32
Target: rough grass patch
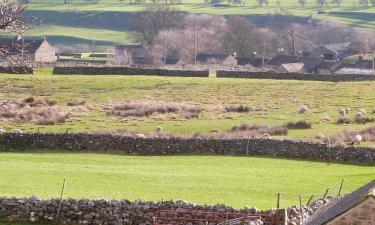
302	124
237	108
254	130
76	102
32	111
144	109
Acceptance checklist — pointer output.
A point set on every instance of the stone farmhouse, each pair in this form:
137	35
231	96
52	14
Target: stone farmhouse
357	208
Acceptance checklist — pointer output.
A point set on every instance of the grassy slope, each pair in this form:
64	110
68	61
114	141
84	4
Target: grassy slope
236	181
107	21
278	100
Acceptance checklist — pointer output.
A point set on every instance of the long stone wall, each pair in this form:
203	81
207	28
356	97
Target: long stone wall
295	76
116	212
16	70
170	146
102	70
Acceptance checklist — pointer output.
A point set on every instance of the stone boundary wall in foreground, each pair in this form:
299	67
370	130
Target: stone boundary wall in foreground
171	146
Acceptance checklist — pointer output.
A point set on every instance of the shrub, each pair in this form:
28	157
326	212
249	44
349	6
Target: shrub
237	108
254	129
76	102
302	124
344	120
142	109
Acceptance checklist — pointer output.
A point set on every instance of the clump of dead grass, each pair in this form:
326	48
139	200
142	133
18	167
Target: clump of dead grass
30	110
76	102
237	108
302	124
253	130
144	109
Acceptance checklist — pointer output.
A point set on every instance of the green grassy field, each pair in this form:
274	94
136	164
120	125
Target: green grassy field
237	181
276	102
107	21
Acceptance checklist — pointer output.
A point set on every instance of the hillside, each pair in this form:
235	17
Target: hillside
107	21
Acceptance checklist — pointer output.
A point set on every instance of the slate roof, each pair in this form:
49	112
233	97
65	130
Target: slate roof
283	59
31	46
256	62
331	211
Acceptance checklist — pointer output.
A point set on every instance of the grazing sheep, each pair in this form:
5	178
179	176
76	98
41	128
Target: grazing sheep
2	131
342	111
357	139
347	110
140	136
360	114
159	130
303	109
362	111
17	131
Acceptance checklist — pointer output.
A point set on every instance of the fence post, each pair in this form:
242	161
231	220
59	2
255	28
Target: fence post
301	208
341	185
278	200
60	203
326	193
310	199
247	145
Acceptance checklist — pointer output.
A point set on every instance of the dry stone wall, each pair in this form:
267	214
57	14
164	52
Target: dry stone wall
98	212
295	76
104	70
170	146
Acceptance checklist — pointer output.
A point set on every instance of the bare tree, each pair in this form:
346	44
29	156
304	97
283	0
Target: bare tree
321	3
241	37
155	18
302	2
262	2
364	3
337	2
12	26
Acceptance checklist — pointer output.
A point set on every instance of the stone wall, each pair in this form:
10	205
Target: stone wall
112	70
115	212
362	214
170	146
16	70
295	76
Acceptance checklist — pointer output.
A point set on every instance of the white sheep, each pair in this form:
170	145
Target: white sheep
140	136
357	139
17	131
347	110
362	111
159	130
2	131
303	109
342	111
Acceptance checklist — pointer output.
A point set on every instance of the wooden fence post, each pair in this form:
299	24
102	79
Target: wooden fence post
310	199
278	200
60	203
341	185
301	208
325	194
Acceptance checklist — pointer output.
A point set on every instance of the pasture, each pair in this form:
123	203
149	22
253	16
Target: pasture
236	181
106	22
271	102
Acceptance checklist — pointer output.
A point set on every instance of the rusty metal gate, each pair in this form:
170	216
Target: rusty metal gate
179	217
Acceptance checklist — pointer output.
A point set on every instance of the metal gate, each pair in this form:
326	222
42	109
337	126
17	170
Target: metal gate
177	217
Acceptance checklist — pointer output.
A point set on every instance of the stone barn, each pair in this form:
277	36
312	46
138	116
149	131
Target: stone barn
357	208
39	51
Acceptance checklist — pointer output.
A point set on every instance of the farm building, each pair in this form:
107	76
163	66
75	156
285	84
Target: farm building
357	208
335	52
39	51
